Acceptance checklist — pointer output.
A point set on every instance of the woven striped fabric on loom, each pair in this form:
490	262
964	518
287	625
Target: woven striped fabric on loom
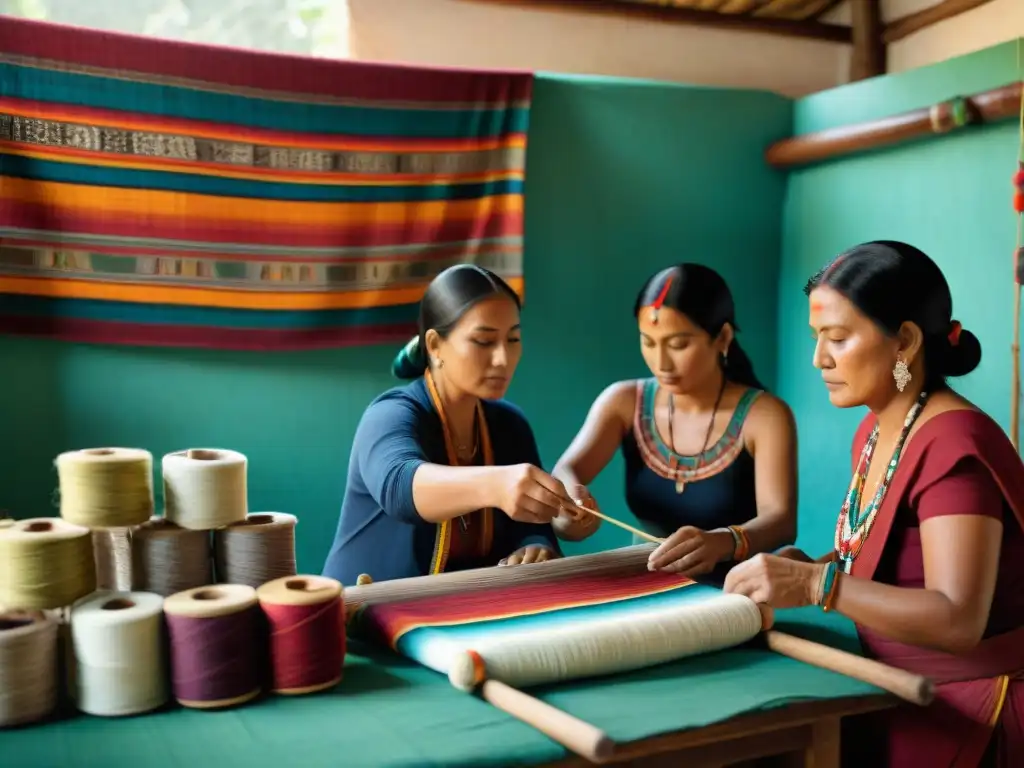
431	631
161	193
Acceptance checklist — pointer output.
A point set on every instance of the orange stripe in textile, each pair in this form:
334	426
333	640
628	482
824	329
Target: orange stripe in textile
215	297
99	117
115	201
230	171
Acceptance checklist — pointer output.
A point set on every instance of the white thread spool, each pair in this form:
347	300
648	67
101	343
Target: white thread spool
601	646
167	558
106	487
118	647
204	488
28	667
259	549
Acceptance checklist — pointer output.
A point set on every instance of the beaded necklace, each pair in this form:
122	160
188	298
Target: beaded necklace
854	525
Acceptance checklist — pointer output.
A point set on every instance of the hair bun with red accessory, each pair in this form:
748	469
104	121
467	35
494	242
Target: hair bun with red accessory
954	332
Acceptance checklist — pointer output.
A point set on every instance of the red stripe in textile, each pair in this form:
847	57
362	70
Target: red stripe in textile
43	217
239	339
394	619
241	68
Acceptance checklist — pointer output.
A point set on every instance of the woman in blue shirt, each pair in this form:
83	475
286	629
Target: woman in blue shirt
444	475
710	456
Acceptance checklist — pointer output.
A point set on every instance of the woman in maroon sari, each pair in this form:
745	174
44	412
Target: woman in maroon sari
929	548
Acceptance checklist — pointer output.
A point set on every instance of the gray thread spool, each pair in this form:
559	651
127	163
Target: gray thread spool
28	667
257	550
167	559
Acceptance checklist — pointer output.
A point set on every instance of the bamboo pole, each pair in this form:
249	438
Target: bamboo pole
985	107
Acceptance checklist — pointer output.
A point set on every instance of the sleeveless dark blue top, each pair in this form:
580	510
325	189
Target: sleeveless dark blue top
719	483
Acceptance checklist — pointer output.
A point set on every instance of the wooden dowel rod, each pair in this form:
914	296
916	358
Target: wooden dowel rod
908	686
574	734
624	526
987	106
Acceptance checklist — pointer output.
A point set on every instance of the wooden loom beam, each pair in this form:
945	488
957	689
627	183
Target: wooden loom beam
813	30
985	107
581	737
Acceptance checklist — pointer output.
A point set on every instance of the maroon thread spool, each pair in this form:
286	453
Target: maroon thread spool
215	644
306	619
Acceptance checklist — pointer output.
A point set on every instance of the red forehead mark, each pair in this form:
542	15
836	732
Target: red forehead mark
816	306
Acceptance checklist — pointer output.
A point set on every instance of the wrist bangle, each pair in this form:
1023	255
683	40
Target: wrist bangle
742	544
829	582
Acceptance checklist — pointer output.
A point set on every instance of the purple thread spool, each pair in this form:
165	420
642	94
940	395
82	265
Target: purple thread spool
214	633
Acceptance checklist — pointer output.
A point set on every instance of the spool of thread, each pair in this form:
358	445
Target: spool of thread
306	617
45	563
28	667
106	487
215	649
204	488
259	549
167	558
112	549
118	646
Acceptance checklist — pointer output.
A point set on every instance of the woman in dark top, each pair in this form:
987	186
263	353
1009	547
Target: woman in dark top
443	474
710	456
928	556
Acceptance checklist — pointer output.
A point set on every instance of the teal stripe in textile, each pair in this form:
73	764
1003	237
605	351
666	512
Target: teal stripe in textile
98	175
307	117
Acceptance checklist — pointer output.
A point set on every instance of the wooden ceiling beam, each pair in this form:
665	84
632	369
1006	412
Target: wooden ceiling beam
813	30
915	22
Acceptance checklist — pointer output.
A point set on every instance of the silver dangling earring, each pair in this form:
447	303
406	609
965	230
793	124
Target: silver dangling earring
901	373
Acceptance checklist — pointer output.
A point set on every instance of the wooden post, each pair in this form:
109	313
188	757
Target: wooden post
868	58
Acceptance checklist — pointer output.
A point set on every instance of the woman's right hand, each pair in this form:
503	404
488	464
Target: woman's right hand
529	495
792	553
573	524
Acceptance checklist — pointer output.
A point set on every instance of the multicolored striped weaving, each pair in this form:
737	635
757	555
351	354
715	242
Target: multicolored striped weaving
161	193
430	630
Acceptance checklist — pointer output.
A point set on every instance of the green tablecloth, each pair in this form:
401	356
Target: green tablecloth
389	713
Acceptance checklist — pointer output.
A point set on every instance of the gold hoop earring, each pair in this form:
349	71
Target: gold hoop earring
901	373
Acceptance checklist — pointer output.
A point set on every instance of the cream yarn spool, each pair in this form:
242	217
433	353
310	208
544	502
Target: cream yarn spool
167	558
204	488
112	548
603	646
257	550
106	487
118	646
45	563
28	667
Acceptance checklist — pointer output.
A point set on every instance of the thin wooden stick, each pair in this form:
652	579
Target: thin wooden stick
911	687
624	526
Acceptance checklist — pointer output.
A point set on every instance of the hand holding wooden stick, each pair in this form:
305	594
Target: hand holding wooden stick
624	526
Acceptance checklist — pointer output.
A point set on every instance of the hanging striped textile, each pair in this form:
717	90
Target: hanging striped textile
161	193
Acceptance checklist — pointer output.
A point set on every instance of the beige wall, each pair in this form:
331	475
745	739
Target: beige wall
469	34
990	24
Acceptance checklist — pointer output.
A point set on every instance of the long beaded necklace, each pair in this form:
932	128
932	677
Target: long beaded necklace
854	524
679	474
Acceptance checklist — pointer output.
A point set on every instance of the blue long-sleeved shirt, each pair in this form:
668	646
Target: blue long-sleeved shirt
380	533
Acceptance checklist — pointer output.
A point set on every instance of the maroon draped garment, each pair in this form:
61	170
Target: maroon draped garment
958	462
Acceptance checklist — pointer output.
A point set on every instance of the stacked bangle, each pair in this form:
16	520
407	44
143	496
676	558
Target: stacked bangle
741	543
828	585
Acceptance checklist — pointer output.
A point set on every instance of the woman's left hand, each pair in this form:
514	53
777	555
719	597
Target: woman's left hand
691	551
778	581
534	553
